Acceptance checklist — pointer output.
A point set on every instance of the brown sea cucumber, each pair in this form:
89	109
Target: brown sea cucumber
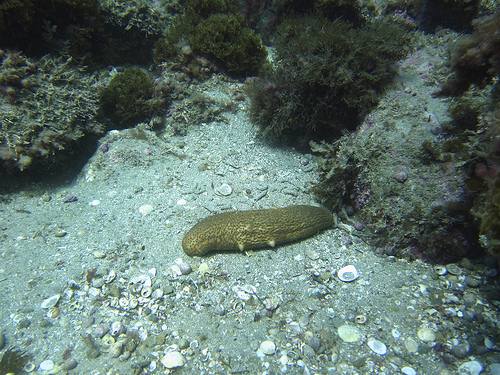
245	230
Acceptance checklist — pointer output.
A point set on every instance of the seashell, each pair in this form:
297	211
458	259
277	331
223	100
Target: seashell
146	292
29	367
348	274
145	280
440	269
123	302
117	328
349	333
223	190
176	270
454	269
46	365
50	302
377	347
100	331
426	334
360	319
268	347
173	359
152	272
135	288
69	364
110	277
193	344
133	303
115	350
157	293
107	340
53	312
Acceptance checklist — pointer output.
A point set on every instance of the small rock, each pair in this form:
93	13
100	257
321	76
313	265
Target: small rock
401	176
69	364
173	359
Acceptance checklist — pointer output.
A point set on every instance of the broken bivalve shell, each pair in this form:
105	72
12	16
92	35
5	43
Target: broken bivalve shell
50	302
146	292
109	277
348	273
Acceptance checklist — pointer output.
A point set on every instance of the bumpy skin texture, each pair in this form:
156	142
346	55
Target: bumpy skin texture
253	229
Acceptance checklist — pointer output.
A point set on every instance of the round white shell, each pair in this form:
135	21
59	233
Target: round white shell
173	359
50	302
348	273
349	333
268	347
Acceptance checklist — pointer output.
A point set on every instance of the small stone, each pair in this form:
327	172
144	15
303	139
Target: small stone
69	364
267	347
473	281
411	345
224	190
454	269
308	351
408	371
401	176
460	351
349	333
172	360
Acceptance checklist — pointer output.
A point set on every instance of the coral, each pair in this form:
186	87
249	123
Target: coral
475	59
45	106
128	98
13	361
213	31
327	73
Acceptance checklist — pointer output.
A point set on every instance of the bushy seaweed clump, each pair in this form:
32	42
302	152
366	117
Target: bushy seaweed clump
475	59
214	29
13	362
326	74
128	98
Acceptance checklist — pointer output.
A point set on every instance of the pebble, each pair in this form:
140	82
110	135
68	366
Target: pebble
47	365
224	190
268	347
473	281
470	368
69	364
349	333
401	176
454	269
377	347
494	368
173	359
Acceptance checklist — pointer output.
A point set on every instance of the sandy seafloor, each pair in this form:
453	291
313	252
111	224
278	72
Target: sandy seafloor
136	198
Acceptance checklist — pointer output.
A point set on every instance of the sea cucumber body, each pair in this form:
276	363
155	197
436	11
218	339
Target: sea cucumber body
245	230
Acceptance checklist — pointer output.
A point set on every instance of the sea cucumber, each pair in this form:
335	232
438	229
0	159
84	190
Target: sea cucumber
245	230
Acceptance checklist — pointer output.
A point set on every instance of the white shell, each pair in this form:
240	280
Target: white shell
377	347
146	209
146	292
110	277
50	302
46	365
224	190
408	371
348	273
268	347
173	359
117	328
426	334
349	333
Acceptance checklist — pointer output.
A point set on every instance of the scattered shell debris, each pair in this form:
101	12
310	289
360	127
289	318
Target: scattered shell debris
348	274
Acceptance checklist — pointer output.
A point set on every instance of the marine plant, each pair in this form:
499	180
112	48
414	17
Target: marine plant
128	98
326	74
475	59
45	105
213	29
13	362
